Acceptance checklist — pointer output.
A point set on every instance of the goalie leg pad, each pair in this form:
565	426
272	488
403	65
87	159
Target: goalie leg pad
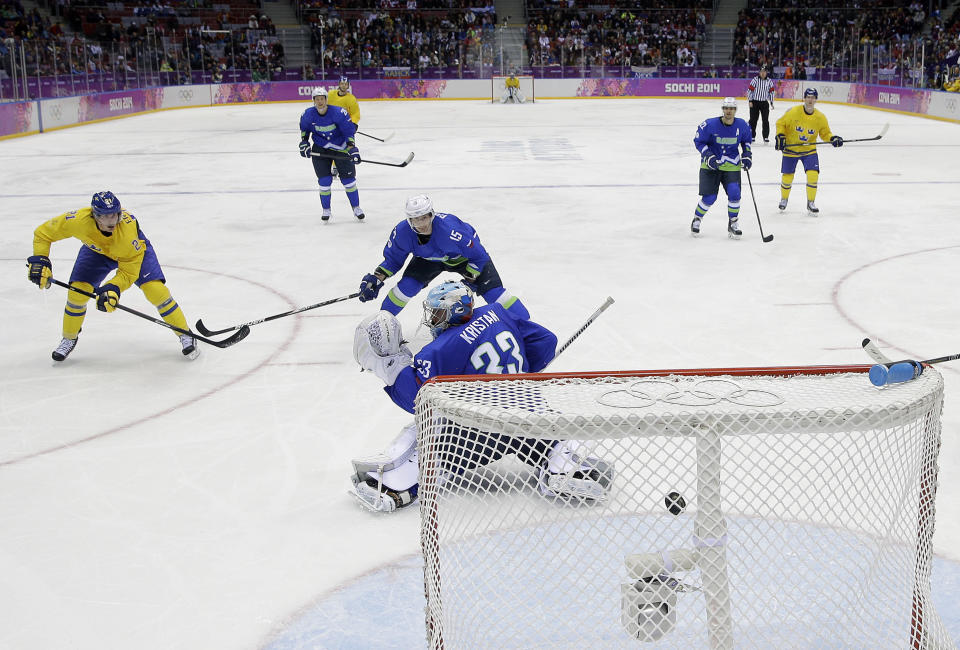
568	475
388	481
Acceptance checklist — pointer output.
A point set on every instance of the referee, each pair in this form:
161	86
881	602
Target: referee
761	93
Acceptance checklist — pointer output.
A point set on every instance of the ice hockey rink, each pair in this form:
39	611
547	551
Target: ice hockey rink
154	503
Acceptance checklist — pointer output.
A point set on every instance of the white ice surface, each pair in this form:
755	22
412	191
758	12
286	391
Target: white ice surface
147	502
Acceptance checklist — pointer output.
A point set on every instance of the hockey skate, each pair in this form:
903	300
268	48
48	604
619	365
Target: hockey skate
812	209
190	349
377	497
64	349
358	213
590	481
783	205
326	215
695	227
733	229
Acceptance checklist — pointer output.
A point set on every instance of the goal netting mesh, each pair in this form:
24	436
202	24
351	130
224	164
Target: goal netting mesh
805	518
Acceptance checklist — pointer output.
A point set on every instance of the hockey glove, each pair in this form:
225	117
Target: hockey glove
780	142
711	161
39	271
354	154
305	148
370	287
836	141
108	296
747	160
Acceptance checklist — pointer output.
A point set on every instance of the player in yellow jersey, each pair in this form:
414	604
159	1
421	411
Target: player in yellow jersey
511	91
112	241
797	132
343	98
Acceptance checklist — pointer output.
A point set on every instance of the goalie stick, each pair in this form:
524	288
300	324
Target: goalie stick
882	133
209	332
606	303
225	343
887	372
334	156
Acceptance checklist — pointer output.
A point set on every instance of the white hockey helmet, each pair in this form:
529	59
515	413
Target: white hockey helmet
319	91
418	205
729	102
448	303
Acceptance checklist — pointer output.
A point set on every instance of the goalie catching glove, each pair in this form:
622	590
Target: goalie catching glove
40	271
378	346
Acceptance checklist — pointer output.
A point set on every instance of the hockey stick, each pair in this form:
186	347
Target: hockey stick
333	156
209	332
606	303
882	133
874	352
225	343
766	238
895	372
373	137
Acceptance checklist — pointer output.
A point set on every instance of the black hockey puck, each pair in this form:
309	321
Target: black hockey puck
675	503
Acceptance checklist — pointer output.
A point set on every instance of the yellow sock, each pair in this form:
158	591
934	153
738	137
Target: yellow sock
812	177
75	311
785	184
159	296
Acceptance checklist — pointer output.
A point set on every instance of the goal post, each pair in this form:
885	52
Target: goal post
748	507
498	86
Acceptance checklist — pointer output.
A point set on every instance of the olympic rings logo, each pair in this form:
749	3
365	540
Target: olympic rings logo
57	111
828	91
186	94
952	105
644	393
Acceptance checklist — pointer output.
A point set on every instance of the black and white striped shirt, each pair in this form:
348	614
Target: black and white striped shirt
761	90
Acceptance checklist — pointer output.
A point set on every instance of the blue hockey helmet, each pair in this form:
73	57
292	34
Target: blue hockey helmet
448	303
344	79
105	204
811	92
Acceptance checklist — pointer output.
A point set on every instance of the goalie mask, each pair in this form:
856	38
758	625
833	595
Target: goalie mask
450	303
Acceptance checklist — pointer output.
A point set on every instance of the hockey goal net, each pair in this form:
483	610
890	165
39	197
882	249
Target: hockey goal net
805	519
499	88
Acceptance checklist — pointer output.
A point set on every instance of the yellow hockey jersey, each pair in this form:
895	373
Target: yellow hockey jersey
126	245
512	82
347	102
802	130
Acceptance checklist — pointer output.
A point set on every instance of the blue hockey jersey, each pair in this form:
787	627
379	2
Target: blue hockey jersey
493	342
452	242
724	142
331	130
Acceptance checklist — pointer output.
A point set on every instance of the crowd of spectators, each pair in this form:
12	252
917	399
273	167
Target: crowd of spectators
615	37
186	36
845	34
414	38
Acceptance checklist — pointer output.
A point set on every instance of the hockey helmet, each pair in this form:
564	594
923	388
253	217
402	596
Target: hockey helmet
448	303
811	92
105	204
729	102
319	91
417	209
344	81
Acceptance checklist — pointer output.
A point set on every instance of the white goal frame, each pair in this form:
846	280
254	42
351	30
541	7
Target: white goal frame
527	87
720	416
